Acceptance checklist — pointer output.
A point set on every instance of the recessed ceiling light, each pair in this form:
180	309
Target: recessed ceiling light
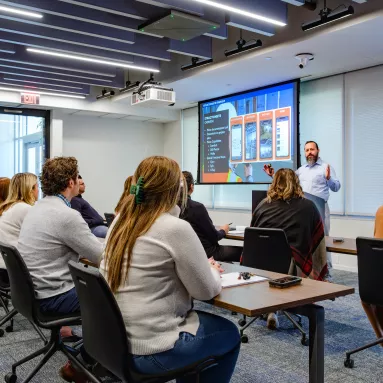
268	58
42	83
91	60
34	92
20	12
43	88
241	12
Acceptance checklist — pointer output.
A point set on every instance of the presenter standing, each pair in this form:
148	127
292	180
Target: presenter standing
318	178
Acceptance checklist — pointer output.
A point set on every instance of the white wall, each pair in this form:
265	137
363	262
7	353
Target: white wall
56	138
173	140
7	162
108	151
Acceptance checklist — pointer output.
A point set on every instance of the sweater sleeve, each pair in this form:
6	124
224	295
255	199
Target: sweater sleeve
333	183
77	235
192	267
206	225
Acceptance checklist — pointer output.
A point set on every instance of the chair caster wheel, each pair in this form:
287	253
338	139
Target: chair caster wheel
242	322
244	339
304	341
349	363
1	332
10	378
9	329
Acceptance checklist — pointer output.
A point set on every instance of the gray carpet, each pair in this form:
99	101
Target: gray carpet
269	357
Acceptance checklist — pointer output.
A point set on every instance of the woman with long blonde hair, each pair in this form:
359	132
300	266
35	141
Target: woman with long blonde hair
125	193
154	263
286	208
23	192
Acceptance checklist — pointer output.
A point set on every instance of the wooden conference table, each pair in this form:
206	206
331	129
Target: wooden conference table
346	247
258	298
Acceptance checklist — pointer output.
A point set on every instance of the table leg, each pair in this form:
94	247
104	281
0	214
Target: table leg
315	314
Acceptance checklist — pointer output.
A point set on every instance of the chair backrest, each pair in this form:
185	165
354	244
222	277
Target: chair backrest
22	289
109	217
103	327
370	266
266	249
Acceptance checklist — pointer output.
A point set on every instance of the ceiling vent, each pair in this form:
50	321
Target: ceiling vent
179	26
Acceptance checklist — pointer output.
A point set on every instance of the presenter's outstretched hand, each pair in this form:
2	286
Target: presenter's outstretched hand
328	172
269	170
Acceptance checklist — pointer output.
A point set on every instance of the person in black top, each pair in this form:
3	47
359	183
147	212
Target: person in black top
94	220
196	214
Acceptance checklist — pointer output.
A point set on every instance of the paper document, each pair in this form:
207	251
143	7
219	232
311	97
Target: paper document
231	279
236	232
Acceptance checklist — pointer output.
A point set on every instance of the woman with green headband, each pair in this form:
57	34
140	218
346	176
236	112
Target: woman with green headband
155	264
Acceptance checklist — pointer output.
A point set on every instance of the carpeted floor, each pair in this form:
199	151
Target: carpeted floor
269	357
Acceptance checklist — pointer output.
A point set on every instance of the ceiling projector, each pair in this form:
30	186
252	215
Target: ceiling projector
153	95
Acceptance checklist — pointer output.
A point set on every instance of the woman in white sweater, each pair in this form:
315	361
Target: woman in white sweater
23	192
155	264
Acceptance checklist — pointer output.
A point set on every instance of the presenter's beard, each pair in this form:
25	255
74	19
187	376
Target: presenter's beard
311	160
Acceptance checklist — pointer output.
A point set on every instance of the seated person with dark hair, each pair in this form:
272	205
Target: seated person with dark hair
196	214
92	218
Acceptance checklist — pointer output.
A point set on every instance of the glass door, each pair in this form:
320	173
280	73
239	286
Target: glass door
23	137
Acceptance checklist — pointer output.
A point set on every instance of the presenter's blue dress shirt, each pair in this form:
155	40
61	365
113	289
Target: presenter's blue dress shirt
313	179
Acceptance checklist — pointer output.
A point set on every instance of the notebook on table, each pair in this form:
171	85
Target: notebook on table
231	280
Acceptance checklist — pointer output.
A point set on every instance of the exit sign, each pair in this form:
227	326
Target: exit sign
30	98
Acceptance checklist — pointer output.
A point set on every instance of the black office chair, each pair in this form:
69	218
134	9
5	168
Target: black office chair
109	217
25	302
5	297
268	249
110	348
370	266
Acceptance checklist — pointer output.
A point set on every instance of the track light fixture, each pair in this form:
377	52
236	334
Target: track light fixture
130	86
243	46
326	15
196	62
105	94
